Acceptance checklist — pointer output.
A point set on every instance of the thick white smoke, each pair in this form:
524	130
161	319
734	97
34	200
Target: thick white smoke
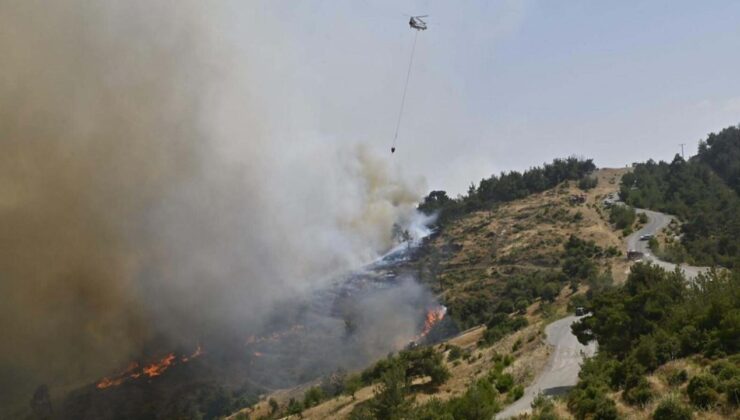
157	179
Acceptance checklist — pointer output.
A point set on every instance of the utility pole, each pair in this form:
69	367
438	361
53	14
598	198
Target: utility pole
682	145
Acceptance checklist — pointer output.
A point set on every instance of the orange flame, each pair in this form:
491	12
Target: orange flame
156	369
433	317
134	371
118	379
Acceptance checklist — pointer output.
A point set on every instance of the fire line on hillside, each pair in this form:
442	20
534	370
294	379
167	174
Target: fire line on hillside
135	370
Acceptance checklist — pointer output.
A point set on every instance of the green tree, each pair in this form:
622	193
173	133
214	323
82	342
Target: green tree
672	409
352	384
702	390
390	401
294	407
313	396
478	403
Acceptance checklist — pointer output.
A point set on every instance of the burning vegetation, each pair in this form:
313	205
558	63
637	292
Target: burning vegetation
152	370
433	317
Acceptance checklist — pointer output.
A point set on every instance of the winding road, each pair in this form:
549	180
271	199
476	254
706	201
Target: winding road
561	371
656	222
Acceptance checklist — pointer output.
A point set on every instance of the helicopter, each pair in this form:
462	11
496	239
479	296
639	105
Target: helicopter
417	23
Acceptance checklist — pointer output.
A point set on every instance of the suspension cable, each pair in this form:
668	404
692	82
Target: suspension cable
405	89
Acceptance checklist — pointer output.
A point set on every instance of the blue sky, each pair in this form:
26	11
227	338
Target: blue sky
502	85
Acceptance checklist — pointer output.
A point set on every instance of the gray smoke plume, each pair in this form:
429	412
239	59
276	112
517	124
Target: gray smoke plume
145	191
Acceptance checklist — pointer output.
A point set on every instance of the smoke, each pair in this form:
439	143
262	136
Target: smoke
147	188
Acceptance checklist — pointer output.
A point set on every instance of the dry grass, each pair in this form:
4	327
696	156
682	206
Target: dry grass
478	251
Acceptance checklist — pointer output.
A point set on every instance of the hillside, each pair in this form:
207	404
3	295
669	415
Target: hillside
702	192
507	267
503	272
511	254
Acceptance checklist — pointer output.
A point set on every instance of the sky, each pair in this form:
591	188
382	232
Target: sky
500	85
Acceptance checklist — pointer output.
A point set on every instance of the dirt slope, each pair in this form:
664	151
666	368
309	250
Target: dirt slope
471	257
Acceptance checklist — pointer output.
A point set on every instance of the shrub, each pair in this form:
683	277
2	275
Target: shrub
724	369
454	354
642	218
678	377
420	362
639	395
522	305
588	400
702	391
273	405
732	389
390	396
352	384
294	407
543	408
504	382
672	409
622	216
588	182
478	402
313	396
516	393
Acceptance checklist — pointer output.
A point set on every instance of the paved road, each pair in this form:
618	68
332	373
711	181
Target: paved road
656	222
561	371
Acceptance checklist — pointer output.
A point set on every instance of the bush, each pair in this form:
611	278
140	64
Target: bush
732	389
672	409
390	396
454	354
640	394
678	377
724	370
702	391
313	396
352	384
501	325
294	407
543	408
642	218
478	403
622	217
420	362
516	393
588	182
504	382
588	399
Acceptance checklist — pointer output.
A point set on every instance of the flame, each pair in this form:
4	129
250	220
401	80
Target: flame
130	371
134	369
156	369
434	315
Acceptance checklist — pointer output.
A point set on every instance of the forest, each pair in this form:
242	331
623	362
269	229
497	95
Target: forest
655	318
702	192
508	186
